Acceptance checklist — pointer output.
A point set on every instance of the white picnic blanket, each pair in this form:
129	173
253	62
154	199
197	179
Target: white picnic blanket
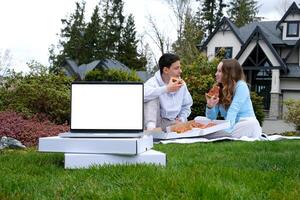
202	139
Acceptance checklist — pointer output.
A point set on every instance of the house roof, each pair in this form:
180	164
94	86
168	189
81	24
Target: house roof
270	29
294	71
143	75
83	69
293	9
112	64
80	71
272	34
224	20
259	30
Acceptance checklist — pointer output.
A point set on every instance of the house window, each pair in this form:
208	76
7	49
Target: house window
225	52
292	29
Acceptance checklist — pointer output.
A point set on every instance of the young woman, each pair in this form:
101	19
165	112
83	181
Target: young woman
233	103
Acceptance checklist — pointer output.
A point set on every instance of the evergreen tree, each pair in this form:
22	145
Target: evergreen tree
71	40
127	50
208	14
211	13
219	14
242	12
113	20
93	49
105	36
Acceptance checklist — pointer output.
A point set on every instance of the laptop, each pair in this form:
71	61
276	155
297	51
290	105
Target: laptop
106	109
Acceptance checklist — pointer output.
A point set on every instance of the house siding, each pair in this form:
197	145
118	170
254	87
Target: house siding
294	57
299	55
284	52
290	84
223	39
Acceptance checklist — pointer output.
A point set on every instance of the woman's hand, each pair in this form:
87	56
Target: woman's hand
211	102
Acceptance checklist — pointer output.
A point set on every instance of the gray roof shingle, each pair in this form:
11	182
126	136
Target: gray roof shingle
272	33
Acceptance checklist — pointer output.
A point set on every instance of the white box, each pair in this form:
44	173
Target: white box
129	146
195	132
73	161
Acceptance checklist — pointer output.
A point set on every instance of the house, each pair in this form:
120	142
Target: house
269	53
72	69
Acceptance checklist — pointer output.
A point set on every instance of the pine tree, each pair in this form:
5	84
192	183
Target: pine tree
211	13
71	41
208	14
105	36
113	20
242	12
219	14
92	41
127	49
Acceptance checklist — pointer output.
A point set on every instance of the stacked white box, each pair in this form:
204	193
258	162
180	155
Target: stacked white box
73	161
129	146
86	152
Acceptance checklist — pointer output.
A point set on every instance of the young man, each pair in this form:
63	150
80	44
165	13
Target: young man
167	99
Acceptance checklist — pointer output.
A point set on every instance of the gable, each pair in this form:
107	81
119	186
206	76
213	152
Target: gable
258	40
292	11
225	25
223	39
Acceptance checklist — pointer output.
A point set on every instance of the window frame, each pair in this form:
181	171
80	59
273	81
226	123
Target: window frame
217	49
287	29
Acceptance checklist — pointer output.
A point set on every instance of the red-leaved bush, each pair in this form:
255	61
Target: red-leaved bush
28	131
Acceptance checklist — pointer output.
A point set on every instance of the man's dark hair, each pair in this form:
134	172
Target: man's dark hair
166	60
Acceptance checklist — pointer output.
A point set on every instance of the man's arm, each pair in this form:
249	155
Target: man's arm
186	107
153	90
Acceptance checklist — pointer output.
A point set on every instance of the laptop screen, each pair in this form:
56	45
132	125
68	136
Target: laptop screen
107	107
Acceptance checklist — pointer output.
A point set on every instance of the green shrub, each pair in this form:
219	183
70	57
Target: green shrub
112	75
257	102
43	93
293	113
199	77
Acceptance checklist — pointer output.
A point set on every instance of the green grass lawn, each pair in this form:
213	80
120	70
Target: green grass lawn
221	170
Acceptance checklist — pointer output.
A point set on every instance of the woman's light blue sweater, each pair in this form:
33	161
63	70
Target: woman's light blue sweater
241	106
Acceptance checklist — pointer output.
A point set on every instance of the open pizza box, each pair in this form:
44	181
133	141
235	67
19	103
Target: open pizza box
207	126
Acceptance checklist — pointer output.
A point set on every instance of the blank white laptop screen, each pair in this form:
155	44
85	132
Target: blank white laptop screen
107	107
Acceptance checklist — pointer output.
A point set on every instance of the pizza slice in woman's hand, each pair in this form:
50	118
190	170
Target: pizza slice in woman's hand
214	92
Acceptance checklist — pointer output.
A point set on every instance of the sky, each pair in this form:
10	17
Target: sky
29	27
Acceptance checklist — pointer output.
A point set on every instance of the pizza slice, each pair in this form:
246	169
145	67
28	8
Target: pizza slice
177	80
214	92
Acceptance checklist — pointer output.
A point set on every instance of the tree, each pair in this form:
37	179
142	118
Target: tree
105	36
180	9
112	25
211	13
158	37
127	49
192	34
208	15
242	12
71	39
92	48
